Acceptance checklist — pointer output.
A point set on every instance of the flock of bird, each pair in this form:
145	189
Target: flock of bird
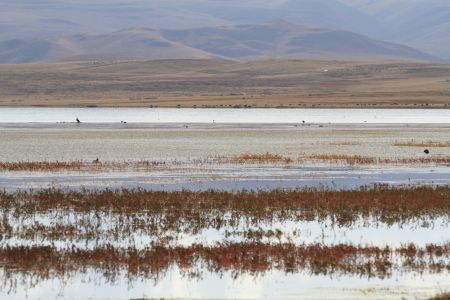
426	151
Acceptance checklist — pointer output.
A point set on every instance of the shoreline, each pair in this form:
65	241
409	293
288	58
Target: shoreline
298	117
311	106
219	126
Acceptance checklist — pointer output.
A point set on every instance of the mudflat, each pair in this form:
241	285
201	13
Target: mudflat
118	142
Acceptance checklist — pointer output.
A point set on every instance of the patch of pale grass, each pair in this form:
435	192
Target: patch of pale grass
427	144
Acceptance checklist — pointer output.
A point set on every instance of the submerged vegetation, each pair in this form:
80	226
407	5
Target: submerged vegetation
386	204
138	234
99	217
46	262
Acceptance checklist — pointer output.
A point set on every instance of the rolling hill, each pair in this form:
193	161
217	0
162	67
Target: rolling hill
282	39
125	44
278	39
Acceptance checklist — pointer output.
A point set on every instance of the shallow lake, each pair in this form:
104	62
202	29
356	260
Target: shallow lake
273	285
249	116
43	140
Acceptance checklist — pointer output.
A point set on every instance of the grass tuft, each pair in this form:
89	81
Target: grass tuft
427	144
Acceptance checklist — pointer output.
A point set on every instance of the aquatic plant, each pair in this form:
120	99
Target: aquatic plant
113	215
365	160
46	262
242	159
95	165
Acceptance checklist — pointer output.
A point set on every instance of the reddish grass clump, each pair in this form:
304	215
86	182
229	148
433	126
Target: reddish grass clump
261	158
158	213
365	160
242	159
349	159
95	165
385	204
42	166
45	262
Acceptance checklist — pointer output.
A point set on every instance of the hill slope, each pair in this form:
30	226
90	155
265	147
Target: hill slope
126	44
279	39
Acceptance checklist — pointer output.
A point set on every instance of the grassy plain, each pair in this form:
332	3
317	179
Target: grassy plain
221	83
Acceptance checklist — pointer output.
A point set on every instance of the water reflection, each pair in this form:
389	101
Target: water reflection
125	238
237	116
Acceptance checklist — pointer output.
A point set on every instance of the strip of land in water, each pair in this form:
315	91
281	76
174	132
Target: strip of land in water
266	159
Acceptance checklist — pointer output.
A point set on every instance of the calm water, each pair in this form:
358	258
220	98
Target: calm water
187	115
71	142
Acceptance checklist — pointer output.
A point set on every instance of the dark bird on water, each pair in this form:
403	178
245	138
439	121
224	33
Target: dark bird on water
96	161
78	121
426	151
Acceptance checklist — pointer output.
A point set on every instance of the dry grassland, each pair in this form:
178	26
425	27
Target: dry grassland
219	83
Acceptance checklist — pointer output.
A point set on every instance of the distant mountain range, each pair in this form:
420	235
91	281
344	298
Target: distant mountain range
47	27
50	18
423	24
277	39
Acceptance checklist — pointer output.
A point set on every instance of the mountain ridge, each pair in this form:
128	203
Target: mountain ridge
275	39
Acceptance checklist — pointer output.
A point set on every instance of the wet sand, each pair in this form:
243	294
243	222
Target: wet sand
175	142
130	142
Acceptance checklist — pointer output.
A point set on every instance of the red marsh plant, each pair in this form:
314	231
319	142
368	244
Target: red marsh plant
45	262
384	202
78	215
365	160
242	159
95	165
261	158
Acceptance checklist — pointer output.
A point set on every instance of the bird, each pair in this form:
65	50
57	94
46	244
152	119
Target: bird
78	121
426	151
96	161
